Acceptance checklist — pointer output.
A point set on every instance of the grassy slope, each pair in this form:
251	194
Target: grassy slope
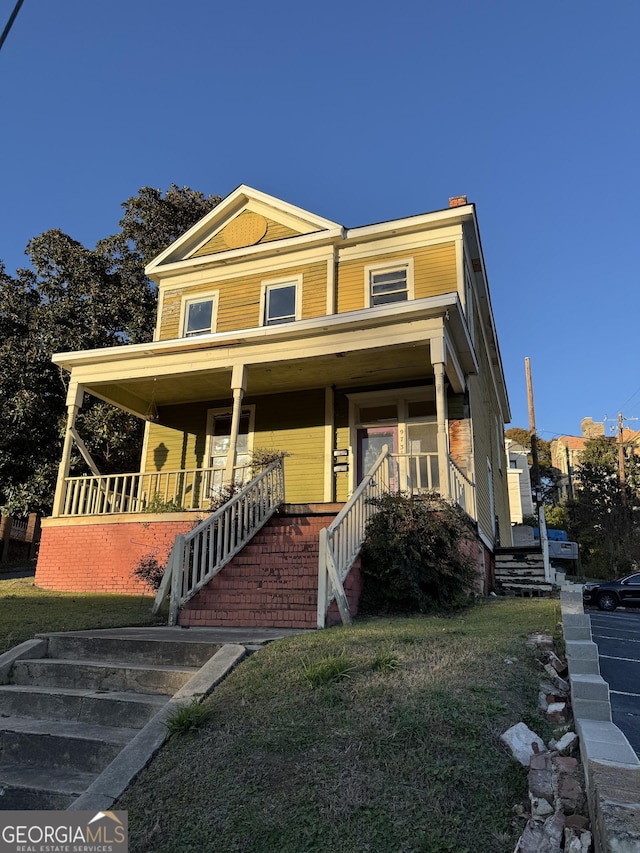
404	759
26	611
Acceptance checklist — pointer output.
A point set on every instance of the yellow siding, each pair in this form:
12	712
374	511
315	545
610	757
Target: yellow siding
239	301
275	231
434	274
292	422
484	408
295	423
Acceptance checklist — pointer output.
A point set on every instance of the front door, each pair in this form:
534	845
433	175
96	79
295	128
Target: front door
371	440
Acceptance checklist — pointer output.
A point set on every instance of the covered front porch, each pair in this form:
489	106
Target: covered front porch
328	394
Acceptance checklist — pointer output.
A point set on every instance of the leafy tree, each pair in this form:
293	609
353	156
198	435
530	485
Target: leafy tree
604	518
76	298
549	475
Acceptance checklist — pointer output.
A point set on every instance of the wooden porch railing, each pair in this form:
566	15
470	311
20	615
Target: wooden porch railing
340	543
124	493
463	491
198	556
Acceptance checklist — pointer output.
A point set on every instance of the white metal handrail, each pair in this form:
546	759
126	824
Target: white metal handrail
340	543
125	493
198	556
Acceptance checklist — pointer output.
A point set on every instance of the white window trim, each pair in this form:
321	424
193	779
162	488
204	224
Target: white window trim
280	282
228	410
214	295
388	266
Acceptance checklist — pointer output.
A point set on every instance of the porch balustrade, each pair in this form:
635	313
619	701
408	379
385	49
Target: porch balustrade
199	555
144	492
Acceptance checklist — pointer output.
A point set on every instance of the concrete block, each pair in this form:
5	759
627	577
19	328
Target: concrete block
603	742
587	686
576	626
590	709
582	657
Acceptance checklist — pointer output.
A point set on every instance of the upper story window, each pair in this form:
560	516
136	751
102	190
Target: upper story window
387	283
199	316
281	301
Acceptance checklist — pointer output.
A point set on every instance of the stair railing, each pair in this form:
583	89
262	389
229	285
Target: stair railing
198	556
340	543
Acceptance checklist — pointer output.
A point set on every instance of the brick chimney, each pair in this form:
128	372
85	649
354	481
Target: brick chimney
457	201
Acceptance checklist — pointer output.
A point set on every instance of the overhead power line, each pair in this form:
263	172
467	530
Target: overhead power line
9	24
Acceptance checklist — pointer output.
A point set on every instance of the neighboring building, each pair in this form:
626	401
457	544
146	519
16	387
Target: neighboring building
567	450
519	480
278	329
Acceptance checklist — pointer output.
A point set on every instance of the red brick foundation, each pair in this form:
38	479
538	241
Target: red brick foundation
101	556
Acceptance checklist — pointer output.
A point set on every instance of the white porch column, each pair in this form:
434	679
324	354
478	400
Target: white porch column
238	386
437	359
74	403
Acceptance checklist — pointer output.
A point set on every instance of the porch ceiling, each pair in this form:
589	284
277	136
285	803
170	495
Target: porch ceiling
343	369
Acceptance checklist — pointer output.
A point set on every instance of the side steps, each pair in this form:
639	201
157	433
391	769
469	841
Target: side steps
72	705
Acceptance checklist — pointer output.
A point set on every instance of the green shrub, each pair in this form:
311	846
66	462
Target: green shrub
414	555
149	570
158	504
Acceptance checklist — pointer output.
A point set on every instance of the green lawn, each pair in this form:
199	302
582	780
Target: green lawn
382	737
26	611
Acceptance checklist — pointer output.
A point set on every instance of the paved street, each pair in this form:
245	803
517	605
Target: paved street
617	635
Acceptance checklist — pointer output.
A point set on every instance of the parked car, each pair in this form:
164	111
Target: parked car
608	595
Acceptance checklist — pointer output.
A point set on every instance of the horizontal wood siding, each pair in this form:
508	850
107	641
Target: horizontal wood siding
180	441
292	422
434	273
484	407
275	231
239	305
295	423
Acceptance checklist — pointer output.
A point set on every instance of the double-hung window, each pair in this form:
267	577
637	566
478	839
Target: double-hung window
389	283
198	316
280	302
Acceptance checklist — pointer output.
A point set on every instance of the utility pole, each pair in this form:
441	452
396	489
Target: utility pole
535	467
623	491
549	573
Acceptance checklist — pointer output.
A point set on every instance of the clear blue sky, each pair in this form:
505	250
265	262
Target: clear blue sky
361	112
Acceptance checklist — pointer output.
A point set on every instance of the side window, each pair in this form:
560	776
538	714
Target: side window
281	302
198	316
387	283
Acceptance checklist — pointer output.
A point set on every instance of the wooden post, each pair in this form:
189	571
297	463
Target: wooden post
623	491
5	536
74	402
33	533
535	467
238	386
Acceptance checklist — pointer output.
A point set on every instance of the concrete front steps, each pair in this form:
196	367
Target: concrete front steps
520	572
70	703
273	581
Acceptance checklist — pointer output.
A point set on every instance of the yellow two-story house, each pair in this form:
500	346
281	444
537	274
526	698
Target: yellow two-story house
278	330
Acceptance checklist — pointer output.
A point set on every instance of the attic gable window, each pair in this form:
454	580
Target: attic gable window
199	316
281	302
389	283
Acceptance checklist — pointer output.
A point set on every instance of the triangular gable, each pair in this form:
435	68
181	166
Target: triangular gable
245	218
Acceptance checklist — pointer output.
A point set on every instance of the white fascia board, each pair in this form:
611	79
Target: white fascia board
411	223
241	196
246	267
378	317
272	247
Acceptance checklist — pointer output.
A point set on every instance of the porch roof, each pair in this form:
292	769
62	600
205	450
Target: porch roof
389	344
